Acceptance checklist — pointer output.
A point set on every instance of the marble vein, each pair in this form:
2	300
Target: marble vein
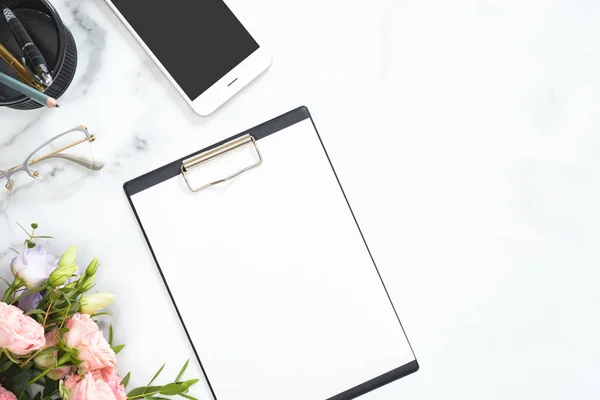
94	45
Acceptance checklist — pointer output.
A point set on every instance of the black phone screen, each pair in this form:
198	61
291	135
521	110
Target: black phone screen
197	41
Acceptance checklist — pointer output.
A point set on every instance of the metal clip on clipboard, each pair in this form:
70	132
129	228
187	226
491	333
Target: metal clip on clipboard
202	158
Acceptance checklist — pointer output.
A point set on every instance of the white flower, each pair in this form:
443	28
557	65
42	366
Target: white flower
92	303
33	266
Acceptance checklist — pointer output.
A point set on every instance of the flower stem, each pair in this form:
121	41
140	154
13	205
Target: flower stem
16	284
44	287
41	375
139	396
8	292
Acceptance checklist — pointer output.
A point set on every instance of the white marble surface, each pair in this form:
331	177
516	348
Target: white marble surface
465	134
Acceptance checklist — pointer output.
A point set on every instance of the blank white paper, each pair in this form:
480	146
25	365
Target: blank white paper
272	278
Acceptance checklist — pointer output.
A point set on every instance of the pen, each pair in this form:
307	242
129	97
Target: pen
26	90
30	51
22	72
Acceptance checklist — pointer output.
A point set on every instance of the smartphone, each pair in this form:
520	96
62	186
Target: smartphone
200	45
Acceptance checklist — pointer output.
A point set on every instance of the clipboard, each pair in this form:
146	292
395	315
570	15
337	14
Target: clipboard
268	270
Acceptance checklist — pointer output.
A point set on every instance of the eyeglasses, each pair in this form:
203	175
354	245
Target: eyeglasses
61	161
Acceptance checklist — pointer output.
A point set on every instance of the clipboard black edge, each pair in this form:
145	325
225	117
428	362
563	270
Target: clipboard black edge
394	374
172	169
265	129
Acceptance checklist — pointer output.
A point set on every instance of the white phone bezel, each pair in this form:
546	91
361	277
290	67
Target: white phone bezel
222	90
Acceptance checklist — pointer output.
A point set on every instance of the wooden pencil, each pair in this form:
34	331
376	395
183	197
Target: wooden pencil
28	91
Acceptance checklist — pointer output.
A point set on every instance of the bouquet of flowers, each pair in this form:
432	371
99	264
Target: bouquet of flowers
50	344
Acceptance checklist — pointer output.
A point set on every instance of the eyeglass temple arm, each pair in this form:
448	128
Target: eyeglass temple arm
84	162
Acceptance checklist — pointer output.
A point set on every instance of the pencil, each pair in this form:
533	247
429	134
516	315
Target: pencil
28	91
22	73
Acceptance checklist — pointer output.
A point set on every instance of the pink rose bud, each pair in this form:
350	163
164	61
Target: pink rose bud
59	373
46	359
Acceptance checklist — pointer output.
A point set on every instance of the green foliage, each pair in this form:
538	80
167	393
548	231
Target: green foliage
182	371
176	388
125	380
16	380
117	349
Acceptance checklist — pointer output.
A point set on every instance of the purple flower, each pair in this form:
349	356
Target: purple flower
33	266
30	302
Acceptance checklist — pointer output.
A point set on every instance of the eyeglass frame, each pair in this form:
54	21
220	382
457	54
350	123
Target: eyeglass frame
90	138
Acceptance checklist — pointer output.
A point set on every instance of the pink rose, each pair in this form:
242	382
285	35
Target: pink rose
85	336
71	382
6	395
89	387
110	376
51	339
102	384
19	333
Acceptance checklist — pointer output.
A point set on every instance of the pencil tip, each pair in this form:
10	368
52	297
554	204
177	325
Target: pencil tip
57	106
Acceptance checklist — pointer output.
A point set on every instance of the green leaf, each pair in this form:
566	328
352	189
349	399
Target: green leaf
72	310
16	382
136	392
10	356
187	396
64	392
43	237
190	382
16	251
35	311
51	387
155	398
74	352
30	244
35	225
142	390
180	374
117	349
110	334
63	330
28	365
157	374
6	366
100	313
172	389
125	380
